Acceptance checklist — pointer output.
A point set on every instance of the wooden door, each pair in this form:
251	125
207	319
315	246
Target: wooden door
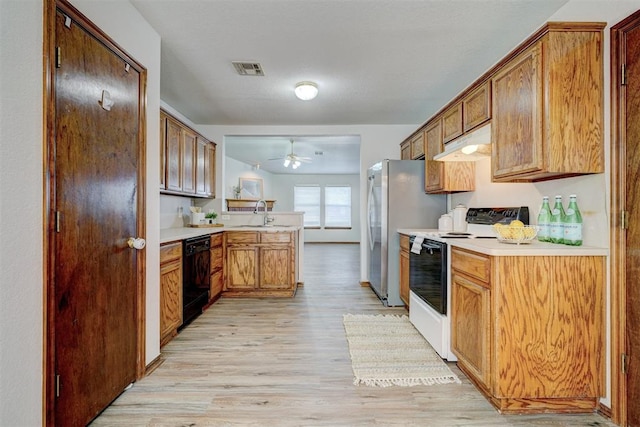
241	268
174	155
188	139
275	267
95	283
625	40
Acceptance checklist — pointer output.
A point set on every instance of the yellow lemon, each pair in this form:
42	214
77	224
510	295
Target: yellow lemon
516	224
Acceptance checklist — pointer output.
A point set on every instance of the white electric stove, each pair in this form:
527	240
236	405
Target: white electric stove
430	273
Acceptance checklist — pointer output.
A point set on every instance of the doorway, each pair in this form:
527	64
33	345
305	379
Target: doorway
625	220
94	294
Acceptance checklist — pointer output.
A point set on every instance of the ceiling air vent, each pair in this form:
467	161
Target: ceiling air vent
248	68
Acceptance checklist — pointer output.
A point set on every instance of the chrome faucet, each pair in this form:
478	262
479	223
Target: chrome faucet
266	219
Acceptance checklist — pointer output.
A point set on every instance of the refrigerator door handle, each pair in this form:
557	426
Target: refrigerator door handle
369	203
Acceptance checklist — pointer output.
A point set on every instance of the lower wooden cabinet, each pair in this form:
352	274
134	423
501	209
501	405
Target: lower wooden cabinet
170	290
529	330
259	263
404	269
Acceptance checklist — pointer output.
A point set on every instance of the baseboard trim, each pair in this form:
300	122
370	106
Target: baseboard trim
155	364
365	284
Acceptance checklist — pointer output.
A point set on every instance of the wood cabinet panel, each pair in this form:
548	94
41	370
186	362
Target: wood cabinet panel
549	333
452	122
444	177
405	150
476	107
277	237
216	252
276	268
405	271
234	237
188	161
548	107
170	290
517	115
473	264
471	328
174	154
417	145
210	171
163	149
241	268
201	154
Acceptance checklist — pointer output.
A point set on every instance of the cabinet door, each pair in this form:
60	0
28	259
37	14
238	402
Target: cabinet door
201	159
476	107
471	326
417	146
433	170
516	125
210	171
188	161
405	150
174	156
241	268
163	149
170	299
404	277
452	123
276	267
216	271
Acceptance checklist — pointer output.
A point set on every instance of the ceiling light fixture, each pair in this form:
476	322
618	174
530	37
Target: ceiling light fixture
306	90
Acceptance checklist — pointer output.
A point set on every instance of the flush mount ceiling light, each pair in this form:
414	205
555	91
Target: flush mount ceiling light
306	90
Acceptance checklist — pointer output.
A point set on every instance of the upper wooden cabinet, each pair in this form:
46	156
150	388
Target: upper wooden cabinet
476	107
187	160
417	145
444	177
405	150
452	122
412	148
547	103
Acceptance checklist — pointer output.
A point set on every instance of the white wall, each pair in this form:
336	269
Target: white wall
235	170
283	191
21	189
21	258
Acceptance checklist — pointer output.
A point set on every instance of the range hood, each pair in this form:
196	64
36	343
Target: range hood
473	146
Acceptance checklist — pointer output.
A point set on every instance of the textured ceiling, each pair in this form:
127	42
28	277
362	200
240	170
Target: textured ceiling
375	61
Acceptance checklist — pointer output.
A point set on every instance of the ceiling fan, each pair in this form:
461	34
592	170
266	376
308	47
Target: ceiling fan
293	159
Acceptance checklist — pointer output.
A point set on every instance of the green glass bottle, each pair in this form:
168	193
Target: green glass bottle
544	221
556	231
572	223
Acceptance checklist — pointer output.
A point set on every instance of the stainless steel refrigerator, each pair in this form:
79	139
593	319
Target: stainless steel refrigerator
396	199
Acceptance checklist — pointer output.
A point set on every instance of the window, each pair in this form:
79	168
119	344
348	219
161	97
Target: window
307	199
337	207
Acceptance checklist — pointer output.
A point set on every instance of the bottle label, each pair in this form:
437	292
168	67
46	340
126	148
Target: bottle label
573	232
570	211
543	231
555	211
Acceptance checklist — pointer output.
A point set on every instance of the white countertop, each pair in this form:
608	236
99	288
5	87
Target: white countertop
175	234
496	248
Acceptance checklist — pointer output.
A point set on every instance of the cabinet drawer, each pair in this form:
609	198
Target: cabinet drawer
241	237
277	237
216	239
216	258
170	252
474	264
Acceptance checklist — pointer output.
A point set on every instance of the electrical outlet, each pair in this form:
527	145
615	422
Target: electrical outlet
225	217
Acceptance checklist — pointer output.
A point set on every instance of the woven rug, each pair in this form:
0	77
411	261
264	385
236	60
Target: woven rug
386	350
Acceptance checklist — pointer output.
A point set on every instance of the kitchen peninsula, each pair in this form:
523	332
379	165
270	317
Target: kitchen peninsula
528	322
245	259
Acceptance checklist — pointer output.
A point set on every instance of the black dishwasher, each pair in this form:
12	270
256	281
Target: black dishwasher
196	277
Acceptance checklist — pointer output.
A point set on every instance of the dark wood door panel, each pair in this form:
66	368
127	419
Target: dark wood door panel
96	192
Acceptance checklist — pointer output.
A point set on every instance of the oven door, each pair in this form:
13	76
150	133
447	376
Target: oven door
428	274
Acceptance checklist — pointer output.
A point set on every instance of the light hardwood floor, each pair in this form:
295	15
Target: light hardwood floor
285	362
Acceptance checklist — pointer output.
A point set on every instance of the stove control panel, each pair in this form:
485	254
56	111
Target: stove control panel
490	216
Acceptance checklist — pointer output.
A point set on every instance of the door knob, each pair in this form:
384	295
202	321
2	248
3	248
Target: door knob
136	243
